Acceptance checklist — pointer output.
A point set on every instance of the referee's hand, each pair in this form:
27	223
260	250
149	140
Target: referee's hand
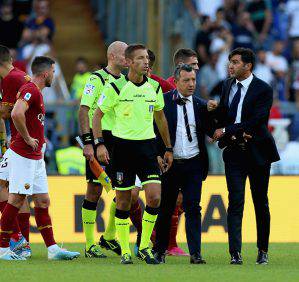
88	152
102	154
168	159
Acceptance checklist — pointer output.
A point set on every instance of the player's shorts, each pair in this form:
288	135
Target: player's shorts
4	166
26	176
131	158
90	177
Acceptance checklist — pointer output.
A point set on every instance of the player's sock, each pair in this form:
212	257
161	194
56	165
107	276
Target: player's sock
44	225
174	229
8	220
122	224
89	214
110	229
23	220
136	216
148	222
2	206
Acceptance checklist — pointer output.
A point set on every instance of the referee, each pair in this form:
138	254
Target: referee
91	94
136	100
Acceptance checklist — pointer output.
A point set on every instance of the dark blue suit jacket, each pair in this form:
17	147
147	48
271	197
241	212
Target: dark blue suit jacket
203	125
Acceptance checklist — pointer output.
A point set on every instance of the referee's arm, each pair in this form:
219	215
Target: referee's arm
102	153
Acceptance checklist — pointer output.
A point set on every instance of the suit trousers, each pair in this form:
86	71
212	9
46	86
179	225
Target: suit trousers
239	166
187	176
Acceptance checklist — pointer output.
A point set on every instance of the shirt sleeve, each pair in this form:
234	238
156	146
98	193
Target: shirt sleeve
92	91
160	101
108	99
28	96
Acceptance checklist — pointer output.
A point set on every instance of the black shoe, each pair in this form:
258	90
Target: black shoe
94	252
262	258
160	257
197	259
126	259
236	258
111	245
147	255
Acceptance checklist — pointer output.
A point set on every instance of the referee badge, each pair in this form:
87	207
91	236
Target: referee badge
151	108
119	177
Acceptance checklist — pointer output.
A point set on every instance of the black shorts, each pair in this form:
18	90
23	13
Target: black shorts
90	177
131	158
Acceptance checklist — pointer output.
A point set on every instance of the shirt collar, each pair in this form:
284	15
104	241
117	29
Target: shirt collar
189	98
245	83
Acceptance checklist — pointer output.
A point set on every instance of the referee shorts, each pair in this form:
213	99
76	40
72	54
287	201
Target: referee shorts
90	177
131	158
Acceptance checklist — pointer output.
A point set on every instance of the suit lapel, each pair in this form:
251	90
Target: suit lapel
226	98
174	106
196	109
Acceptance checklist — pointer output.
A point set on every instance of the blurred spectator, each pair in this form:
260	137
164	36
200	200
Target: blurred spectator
222	44
260	13
80	78
243	31
279	66
41	23
294	73
208	7
209	76
11	28
203	40
22	9
20	64
231	10
70	160
262	70
292	10
220	20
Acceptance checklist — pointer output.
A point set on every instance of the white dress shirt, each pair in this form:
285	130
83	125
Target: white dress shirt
245	84
183	148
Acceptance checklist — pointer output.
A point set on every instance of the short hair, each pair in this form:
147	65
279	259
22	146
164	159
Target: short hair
5	55
41	64
182	55
179	68
247	55
132	48
151	57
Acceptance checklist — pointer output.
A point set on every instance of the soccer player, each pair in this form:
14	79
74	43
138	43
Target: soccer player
136	100
11	81
27	172
91	94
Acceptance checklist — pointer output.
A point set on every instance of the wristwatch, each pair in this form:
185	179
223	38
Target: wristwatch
99	141
223	130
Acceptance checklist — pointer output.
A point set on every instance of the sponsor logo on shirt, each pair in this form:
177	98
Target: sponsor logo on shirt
88	90
27	96
41	118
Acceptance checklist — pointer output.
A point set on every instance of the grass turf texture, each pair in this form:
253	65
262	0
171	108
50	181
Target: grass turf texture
283	266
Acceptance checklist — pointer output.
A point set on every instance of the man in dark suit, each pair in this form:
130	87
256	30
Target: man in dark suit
187	118
249	149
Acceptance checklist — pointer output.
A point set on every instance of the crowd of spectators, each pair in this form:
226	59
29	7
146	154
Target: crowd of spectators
269	27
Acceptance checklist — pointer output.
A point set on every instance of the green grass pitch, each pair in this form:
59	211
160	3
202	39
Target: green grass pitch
283	266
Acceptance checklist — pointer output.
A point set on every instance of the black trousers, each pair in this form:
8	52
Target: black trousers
239	166
187	176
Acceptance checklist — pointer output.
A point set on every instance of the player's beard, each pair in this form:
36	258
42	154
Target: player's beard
48	82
